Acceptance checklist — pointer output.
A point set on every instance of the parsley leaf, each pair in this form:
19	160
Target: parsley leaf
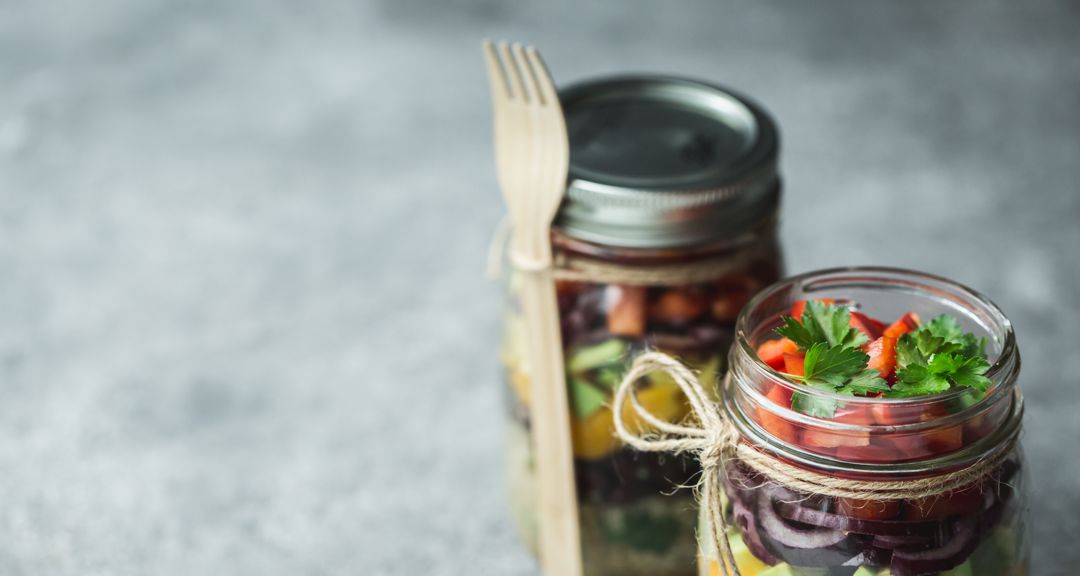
918	380
918	347
971	374
834	369
815	406
832	366
938	356
822	323
869	381
797	333
945	326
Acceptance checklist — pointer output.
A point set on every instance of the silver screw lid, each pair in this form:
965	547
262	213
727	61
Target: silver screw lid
658	162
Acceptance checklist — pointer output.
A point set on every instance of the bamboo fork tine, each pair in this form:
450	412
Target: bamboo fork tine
551	130
513	73
500	89
538	240
528	78
546	89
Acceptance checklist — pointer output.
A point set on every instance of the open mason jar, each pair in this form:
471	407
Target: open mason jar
667	229
978	528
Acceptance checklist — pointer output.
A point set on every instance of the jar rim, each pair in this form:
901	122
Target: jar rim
1004	367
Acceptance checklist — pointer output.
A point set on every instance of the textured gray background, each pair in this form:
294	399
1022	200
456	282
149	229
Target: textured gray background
243	324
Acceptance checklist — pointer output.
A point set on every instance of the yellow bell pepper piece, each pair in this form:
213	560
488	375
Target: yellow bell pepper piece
594	437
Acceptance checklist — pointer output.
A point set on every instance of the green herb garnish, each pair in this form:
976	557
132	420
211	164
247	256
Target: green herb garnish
933	358
938	357
833	362
822	323
836	369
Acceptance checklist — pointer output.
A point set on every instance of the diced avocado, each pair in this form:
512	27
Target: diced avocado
966	400
997	550
597	356
746	561
585	399
964	569
961	570
710	373
609	377
805	571
1006	540
780	569
641	530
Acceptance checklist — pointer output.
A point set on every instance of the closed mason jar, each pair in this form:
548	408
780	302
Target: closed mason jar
668	227
979	529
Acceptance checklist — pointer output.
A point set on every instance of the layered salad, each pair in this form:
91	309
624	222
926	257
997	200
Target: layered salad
634	520
942	370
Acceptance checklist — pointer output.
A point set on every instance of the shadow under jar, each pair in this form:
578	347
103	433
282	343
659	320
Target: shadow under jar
977	530
668	228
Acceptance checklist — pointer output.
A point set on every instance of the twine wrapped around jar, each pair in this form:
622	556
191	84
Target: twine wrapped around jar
739	252
716	439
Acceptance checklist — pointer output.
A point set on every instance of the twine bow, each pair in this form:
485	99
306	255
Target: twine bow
715	439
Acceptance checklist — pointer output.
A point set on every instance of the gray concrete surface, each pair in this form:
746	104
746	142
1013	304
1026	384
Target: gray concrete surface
243	324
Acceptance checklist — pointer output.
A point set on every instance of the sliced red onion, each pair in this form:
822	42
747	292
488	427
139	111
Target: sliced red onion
877	557
747	523
950	555
907	542
790	535
802	514
828	557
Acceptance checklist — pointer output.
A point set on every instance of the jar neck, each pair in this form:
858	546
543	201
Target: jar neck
873	436
764	234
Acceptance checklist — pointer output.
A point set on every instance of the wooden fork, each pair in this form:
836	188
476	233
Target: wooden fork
532	155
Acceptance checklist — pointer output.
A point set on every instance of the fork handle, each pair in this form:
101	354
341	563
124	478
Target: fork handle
560	542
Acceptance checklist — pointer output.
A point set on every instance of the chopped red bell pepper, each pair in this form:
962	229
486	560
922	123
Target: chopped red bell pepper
777	425
886	415
815	438
858	415
794	363
678	306
932	442
822	438
626	316
876	451
944	440
882	354
867	325
895	415
905	324
772	352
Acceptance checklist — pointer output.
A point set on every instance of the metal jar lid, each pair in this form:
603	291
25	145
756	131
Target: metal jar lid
659	162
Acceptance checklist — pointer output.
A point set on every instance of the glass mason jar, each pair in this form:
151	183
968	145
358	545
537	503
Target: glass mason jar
667	229
977	530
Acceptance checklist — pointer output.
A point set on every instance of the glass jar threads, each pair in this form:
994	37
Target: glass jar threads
874	484
667	229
